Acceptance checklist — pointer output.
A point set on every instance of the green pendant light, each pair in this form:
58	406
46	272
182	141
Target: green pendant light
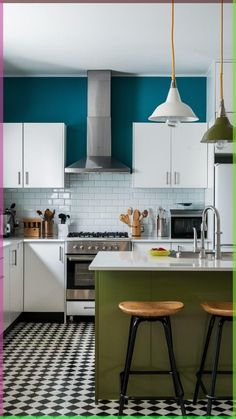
221	132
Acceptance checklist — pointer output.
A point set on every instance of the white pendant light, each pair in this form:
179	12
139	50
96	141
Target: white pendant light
173	110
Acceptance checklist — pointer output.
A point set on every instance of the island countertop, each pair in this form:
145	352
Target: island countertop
142	261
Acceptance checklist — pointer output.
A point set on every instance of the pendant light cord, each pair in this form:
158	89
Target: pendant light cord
221	50
172	41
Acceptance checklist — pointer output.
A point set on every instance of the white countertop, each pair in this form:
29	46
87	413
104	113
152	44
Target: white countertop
142	261
146	239
13	240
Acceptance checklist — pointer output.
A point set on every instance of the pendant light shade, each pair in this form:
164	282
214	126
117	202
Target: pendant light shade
221	132
173	110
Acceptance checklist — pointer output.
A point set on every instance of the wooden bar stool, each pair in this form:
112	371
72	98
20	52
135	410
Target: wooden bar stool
222	311
150	311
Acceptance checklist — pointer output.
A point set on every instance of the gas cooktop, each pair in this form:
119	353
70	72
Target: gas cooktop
98	235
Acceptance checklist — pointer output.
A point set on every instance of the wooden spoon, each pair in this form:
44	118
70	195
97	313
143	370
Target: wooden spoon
136	215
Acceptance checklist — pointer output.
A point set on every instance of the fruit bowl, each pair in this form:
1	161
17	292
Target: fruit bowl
159	251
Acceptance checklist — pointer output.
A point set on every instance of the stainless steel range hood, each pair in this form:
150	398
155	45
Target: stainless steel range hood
98	128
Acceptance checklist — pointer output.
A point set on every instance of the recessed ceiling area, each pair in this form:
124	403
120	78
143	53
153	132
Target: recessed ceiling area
68	39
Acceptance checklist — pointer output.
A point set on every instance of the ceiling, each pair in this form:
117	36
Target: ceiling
68	39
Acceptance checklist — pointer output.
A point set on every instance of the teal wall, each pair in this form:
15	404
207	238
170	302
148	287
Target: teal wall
64	99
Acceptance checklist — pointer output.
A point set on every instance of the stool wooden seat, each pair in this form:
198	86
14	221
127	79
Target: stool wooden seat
220	311
150	311
218	308
151	308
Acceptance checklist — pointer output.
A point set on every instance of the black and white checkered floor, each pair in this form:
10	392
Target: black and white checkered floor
49	370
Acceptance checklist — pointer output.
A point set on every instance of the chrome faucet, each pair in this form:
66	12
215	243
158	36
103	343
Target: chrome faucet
204	228
195	248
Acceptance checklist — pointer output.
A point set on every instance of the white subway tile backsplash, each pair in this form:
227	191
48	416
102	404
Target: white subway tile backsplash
95	200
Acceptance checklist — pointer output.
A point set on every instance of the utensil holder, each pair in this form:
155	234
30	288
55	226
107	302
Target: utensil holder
48	228
136	230
62	230
162	227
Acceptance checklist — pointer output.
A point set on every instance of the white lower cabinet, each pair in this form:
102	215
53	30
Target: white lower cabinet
12	283
6	288
16	280
44	277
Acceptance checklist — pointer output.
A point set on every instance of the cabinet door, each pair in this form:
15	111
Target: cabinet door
16	281
44	287
12	155
151	155
44	161
6	289
228	87
189	156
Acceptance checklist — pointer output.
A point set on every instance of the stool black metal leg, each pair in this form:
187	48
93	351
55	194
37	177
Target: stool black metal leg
202	364
130	349
211	394
176	380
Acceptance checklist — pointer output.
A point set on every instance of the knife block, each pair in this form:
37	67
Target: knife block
32	227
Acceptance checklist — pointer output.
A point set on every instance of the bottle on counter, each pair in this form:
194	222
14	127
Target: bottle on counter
162	223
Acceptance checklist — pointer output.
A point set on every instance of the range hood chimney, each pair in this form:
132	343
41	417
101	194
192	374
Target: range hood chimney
98	128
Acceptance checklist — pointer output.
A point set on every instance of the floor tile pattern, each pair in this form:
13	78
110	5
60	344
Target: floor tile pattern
49	370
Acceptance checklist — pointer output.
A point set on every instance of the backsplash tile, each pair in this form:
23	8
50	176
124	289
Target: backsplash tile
95	201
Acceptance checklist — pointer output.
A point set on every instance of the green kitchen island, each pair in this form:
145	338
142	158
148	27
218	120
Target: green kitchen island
137	276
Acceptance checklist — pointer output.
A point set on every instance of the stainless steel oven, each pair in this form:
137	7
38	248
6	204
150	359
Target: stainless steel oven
80	281
81	249
183	222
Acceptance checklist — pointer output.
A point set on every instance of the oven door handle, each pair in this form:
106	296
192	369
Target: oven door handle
80	258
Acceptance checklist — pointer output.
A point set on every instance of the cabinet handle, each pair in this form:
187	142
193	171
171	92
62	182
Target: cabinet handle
168	178
61	254
27	178
177	178
14	257
19	178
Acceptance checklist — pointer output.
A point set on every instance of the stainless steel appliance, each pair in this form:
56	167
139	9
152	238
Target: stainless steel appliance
81	249
98	157
183	222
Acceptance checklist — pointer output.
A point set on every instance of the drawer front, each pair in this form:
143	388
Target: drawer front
80	308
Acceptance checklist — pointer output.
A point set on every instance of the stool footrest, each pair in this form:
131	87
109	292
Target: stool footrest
218	372
151	398
147	372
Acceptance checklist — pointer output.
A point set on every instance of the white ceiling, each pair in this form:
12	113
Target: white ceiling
68	39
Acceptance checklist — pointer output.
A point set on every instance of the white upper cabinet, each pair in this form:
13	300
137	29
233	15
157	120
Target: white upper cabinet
44	162
13	155
34	155
189	156
166	157
151	155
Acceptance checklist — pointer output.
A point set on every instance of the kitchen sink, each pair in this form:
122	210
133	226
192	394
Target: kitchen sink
210	255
